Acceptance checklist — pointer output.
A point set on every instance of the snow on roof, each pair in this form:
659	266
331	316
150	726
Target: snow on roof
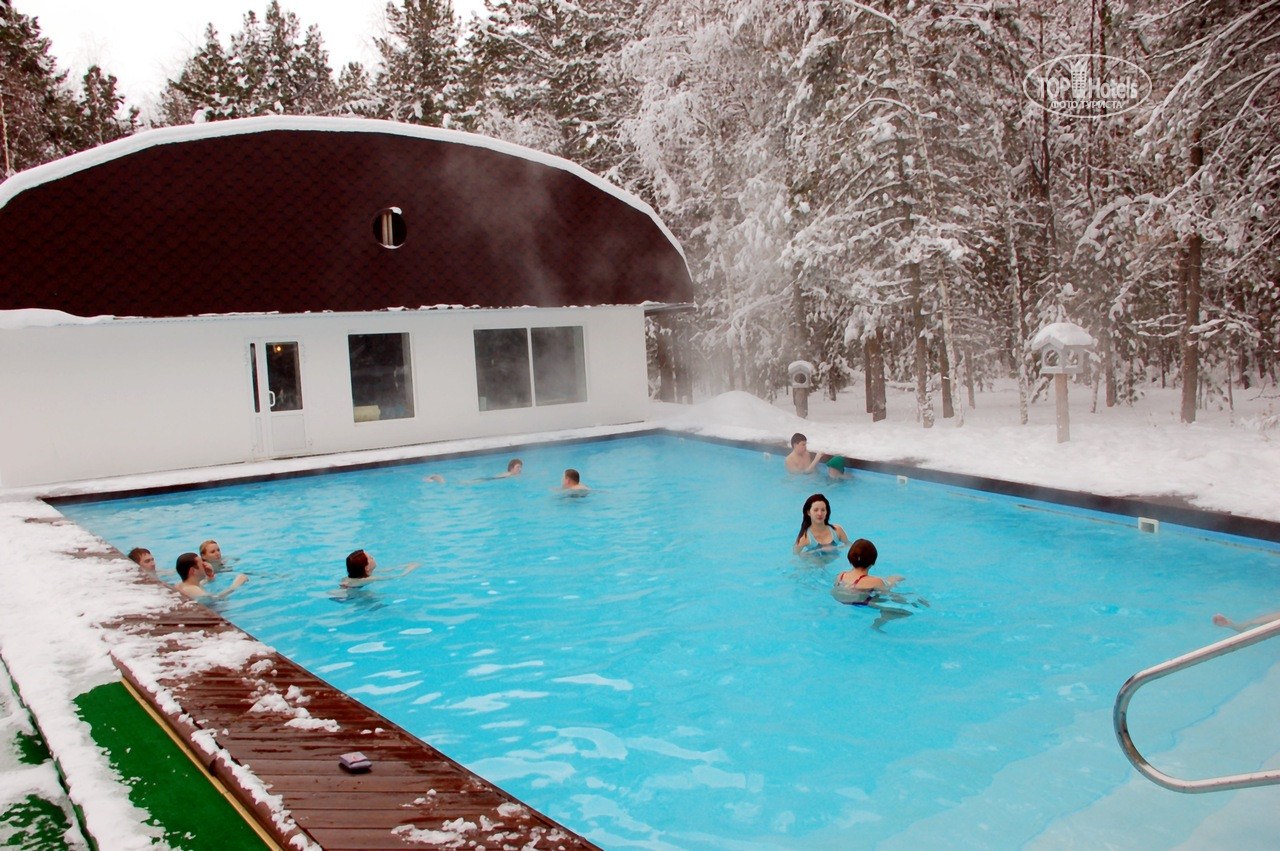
39	317
1062	334
191	132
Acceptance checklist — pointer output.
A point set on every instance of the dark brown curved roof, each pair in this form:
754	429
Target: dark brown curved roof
277	214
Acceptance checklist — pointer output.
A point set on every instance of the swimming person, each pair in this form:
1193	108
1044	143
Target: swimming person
836	468
572	484
857	587
142	557
360	566
193	572
801	460
514	468
816	534
862	555
211	553
1222	620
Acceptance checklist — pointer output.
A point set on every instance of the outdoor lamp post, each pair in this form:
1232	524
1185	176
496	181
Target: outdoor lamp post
1064	350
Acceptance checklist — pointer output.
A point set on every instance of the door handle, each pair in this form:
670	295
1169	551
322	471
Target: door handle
271	400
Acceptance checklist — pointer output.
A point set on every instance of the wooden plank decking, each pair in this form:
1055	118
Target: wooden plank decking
415	796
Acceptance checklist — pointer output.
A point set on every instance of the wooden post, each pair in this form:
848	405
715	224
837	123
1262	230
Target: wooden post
800	395
1064	416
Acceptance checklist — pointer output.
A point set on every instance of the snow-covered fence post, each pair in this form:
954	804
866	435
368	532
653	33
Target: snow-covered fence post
1064	350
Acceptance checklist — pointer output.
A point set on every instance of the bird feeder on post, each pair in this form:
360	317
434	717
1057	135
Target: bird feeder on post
801	374
1064	350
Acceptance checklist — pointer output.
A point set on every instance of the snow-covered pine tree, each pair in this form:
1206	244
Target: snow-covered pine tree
710	131
34	105
1215	135
100	114
544	75
269	68
420	79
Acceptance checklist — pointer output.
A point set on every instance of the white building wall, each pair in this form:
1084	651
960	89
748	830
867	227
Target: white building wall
131	396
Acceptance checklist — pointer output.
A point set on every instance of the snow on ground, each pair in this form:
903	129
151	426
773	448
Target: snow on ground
1225	461
58	591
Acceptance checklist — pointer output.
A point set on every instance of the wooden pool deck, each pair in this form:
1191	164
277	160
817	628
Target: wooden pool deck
272	733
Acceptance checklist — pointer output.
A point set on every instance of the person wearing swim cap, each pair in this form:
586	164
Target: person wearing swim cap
836	468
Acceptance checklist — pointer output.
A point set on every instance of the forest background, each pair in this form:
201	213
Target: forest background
869	186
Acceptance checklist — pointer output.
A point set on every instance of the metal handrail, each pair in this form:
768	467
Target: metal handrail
1195	657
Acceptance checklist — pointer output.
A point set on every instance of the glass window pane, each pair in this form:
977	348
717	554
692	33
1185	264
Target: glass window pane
253	371
381	378
284	377
502	369
559	371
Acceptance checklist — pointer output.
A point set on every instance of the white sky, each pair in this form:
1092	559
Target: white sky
143	42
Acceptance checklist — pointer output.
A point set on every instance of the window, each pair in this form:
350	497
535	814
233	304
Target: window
519	367
381	379
559	371
388	228
502	369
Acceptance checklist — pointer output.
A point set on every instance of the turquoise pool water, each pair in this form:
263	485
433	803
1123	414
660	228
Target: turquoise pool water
651	666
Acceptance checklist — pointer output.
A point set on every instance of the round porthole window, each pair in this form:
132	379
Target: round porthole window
388	228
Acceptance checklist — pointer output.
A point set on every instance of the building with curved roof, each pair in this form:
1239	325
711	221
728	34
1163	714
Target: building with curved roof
305	285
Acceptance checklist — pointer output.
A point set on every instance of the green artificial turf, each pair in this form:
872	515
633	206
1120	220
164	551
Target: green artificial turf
162	779
36	824
31	821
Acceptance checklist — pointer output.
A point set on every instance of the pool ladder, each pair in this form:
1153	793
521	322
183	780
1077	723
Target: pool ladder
1195	657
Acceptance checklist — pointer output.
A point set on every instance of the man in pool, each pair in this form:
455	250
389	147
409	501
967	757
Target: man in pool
514	468
572	483
360	567
194	572
801	460
142	557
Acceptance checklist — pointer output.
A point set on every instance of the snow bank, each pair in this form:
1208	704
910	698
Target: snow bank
54	601
39	317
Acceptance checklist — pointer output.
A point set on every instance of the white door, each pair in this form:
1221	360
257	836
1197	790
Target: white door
279	418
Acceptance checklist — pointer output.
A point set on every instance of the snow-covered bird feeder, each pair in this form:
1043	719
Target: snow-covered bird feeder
801	374
1064	350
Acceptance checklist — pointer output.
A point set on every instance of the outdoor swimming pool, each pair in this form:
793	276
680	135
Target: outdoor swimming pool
652	667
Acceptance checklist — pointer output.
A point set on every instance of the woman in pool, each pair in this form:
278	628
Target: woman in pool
360	566
211	553
816	534
862	555
857	587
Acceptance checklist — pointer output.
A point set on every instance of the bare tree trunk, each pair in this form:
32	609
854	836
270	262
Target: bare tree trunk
1107	364
968	377
875	369
4	136
924	404
868	385
684	362
1191	295
944	369
1019	320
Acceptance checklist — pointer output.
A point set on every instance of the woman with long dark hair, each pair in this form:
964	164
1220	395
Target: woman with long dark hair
817	534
